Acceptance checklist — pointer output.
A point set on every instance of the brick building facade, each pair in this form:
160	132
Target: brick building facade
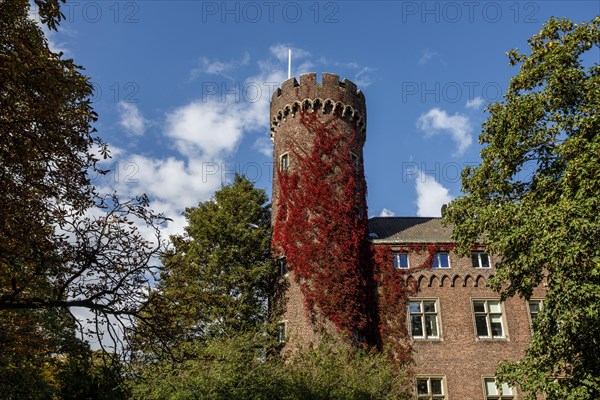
458	328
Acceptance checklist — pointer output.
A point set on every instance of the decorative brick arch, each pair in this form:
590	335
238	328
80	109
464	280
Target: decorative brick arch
469	281
446	281
480	281
456	281
422	281
434	281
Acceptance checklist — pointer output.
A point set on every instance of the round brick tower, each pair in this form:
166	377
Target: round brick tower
331	102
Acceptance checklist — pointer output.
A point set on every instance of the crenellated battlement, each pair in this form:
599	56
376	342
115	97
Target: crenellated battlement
330	96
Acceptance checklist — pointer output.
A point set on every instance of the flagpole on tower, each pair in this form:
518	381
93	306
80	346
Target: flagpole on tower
289	63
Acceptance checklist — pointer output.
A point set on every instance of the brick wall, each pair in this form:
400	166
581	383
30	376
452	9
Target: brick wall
287	131
459	355
331	100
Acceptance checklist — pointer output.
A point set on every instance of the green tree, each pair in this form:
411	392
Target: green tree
534	200
228	367
62	244
41	358
216	276
332	370
235	367
213	297
210	307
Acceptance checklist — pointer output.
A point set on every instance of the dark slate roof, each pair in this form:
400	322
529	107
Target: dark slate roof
409	230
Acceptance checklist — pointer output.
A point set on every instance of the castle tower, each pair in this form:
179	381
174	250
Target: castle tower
338	106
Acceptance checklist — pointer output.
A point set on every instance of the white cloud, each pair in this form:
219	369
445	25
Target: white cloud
280	51
458	126
263	145
430	55
54	45
300	62
204	134
210	128
302	68
246	59
131	119
217	67
172	184
363	77
213	128
431	195
475	103
387	213
351	65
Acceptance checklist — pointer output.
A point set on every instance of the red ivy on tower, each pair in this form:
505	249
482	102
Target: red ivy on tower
321	227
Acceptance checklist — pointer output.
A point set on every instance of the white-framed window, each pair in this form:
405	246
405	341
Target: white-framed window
495	391
441	260
400	260
479	259
489	322
534	308
281	331
431	388
284	162
424	319
282	266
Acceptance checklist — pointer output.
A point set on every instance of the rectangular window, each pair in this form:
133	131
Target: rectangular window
282	266
431	388
400	260
284	162
534	308
495	391
441	260
480	260
424	323
488	319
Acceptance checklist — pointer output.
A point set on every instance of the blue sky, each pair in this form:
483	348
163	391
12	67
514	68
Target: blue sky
183	87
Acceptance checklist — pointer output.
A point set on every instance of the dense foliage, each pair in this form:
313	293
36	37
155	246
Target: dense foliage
216	276
233	367
62	244
535	199
41	358
211	305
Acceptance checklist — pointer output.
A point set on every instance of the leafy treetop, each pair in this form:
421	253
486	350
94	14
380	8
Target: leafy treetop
535	199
